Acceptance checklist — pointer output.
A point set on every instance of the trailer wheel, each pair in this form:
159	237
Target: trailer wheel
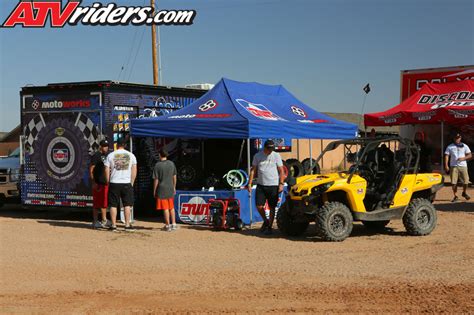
61	154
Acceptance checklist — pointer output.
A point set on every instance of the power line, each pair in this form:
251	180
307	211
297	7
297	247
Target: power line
136	54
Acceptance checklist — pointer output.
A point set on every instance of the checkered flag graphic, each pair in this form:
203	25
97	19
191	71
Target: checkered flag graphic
31	132
89	130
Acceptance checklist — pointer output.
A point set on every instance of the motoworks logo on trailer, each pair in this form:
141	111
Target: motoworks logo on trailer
37	13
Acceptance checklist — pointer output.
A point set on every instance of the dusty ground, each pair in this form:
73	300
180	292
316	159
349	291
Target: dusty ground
51	262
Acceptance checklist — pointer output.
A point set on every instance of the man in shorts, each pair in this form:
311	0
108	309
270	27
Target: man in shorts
457	153
268	166
164	188
100	189
120	172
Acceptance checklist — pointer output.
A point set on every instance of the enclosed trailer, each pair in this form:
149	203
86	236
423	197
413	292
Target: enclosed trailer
62	125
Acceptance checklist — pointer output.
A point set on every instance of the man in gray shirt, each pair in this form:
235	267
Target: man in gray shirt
164	189
270	180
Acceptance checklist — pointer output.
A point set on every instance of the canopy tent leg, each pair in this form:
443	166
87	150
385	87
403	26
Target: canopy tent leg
310	154
250	184
202	155
240	154
298	149
442	147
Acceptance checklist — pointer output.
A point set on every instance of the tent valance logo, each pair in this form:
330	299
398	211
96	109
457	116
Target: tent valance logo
258	110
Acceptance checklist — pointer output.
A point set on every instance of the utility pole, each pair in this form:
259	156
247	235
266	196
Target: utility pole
153	51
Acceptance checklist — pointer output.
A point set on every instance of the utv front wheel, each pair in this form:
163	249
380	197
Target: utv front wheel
289	225
420	217
375	225
334	222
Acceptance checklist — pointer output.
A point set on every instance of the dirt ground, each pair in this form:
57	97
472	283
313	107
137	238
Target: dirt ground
52	262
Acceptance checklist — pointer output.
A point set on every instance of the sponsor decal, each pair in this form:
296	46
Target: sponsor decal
194	209
125	108
390	118
57	104
423	116
36	14
456	99
404	190
298	111
59	131
60	155
314	121
211	104
360	191
258	110
461	115
35	105
190	116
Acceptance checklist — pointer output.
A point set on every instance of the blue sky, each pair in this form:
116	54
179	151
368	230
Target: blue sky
323	51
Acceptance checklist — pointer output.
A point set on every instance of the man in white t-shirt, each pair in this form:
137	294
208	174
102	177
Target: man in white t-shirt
268	167
120	172
457	153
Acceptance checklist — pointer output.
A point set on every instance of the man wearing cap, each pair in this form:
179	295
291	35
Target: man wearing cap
457	153
100	189
268	166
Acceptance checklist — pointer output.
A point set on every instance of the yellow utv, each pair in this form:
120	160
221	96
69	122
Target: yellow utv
377	182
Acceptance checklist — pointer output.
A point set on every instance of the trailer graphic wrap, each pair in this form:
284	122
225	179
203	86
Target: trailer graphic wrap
63	124
60	133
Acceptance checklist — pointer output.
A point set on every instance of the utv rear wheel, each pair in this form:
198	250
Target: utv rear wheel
334	222
420	217
289	225
375	225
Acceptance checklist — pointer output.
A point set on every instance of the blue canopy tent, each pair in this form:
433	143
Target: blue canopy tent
241	110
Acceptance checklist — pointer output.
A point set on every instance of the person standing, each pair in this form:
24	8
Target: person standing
100	189
425	153
457	153
164	189
268	166
120	172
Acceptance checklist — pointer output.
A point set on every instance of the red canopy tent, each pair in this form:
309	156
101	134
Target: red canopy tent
451	103
441	103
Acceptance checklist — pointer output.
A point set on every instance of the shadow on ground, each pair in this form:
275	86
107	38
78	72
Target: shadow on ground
456	206
310	235
60	217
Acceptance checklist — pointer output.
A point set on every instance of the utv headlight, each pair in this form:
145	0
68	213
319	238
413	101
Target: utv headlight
322	188
15	175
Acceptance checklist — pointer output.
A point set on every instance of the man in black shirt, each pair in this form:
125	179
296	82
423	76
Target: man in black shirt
100	189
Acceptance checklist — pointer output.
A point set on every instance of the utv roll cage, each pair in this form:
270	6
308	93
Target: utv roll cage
382	168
